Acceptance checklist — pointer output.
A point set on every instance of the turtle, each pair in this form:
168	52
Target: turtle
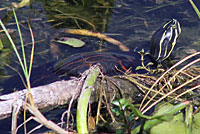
162	43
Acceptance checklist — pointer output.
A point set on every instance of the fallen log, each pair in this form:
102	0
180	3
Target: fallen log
51	95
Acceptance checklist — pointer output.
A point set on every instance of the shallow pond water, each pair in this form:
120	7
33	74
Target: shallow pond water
130	21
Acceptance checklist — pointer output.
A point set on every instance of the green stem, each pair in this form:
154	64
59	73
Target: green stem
22	44
142	62
195	8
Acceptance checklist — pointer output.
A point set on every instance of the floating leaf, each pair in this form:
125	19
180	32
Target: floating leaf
71	42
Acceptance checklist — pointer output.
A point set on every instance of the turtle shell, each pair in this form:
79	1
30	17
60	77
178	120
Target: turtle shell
112	63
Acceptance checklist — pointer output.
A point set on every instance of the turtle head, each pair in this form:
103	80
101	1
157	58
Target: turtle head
164	40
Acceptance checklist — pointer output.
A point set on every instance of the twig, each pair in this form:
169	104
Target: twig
41	119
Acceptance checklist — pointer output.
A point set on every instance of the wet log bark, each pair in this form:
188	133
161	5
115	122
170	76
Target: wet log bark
51	95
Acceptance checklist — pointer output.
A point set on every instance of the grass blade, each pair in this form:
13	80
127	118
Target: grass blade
195	8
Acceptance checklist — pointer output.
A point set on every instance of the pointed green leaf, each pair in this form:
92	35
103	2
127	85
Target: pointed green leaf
146	53
150	64
1	45
142	50
139	67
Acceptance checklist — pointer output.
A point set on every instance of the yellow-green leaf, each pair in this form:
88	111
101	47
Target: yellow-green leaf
71	42
150	64
1	45
139	67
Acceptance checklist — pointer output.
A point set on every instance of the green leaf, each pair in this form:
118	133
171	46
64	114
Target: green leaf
150	64
1	45
164	114
138	113
119	102
71	42
169	109
175	126
146	53
122	103
139	67
82	106
142	50
196	124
